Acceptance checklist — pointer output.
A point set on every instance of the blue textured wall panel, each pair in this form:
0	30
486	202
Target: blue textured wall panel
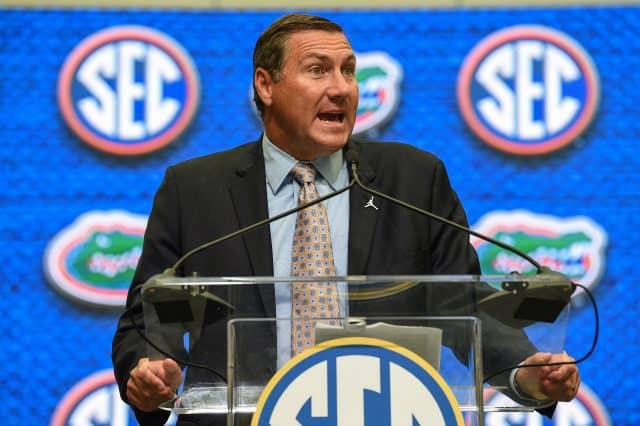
49	176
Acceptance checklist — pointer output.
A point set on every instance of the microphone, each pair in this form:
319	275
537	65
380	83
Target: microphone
520	303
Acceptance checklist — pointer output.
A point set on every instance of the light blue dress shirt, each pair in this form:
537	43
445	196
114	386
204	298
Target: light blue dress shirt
282	195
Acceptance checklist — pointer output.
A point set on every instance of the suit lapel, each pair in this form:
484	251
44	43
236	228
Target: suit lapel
250	202
362	220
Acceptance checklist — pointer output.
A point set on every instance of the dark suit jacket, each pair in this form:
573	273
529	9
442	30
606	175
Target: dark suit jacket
205	198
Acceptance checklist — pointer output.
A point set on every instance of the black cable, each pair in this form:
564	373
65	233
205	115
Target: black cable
129	314
577	361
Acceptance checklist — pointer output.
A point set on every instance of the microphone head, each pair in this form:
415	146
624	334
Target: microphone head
352	156
523	302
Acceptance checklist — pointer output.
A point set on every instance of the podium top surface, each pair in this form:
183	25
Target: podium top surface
495	281
516	300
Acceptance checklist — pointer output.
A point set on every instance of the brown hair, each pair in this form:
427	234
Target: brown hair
270	48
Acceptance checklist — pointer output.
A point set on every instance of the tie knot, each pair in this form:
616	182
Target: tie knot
304	173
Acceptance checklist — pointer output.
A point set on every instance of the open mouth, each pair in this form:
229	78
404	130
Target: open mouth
331	117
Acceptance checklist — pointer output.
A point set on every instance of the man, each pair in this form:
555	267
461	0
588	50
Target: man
306	91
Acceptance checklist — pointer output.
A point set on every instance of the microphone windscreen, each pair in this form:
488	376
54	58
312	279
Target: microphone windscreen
351	156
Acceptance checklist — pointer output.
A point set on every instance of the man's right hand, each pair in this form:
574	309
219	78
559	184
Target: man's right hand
153	382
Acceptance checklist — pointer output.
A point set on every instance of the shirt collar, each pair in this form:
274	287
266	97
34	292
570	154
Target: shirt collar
278	164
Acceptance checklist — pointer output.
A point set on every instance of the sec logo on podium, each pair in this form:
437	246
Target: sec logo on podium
354	382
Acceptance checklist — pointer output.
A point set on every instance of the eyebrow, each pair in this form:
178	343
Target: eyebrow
323	57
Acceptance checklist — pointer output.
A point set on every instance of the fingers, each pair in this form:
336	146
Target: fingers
528	379
538	358
561	391
560	382
560	373
166	370
151	384
173	373
556	382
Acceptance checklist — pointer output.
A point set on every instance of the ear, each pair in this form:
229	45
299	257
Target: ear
263	83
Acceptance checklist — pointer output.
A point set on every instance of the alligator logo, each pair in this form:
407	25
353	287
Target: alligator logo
93	259
573	246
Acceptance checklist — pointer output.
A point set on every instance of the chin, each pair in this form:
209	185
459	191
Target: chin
329	147
322	144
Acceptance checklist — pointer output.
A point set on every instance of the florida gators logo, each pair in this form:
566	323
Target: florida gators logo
128	90
574	246
379	77
93	259
357	381
528	90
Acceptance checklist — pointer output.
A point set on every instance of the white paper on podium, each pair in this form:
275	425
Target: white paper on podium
426	342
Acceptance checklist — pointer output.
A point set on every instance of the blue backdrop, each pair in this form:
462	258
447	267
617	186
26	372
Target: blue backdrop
50	177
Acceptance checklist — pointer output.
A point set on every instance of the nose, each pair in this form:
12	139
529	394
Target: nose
341	86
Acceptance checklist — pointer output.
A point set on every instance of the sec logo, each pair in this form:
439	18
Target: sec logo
528	90
585	410
356	382
95	401
128	90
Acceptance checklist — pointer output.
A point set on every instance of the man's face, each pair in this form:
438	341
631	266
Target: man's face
311	110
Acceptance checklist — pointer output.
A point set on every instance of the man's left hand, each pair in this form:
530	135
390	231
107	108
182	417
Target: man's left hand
555	382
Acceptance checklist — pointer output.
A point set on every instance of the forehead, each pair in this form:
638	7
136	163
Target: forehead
302	44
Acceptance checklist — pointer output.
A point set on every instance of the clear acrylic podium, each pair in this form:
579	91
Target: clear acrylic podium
467	327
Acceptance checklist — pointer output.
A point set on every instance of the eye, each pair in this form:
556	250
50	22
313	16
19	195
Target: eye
349	71
315	70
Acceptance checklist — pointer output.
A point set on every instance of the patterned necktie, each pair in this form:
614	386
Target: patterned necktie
311	256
